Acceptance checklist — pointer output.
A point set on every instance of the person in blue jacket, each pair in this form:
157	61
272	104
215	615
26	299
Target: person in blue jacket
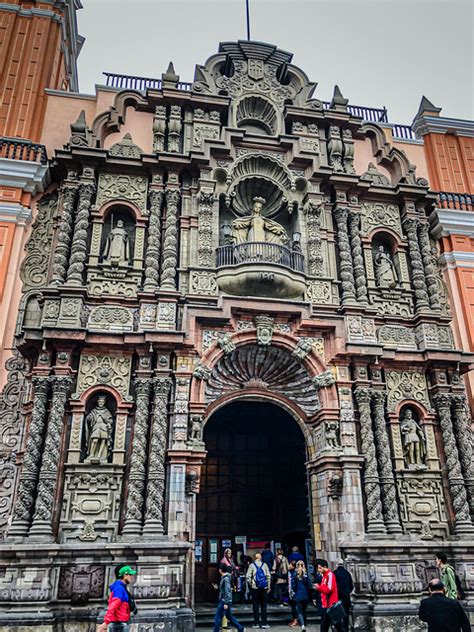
224	604
300	590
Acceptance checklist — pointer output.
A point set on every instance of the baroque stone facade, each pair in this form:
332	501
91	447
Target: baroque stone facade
157	290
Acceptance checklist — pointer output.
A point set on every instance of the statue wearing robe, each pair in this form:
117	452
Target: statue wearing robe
256	228
117	248
98	431
385	272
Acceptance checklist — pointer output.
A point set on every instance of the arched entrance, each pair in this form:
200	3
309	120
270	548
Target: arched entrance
253	486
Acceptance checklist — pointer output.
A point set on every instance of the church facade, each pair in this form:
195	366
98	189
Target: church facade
218	273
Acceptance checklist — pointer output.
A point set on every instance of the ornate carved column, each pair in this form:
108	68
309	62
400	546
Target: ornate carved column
152	256
462	427
347	274
375	523
313	227
462	521
205	254
63	244
421	294
31	463
357	256
79	241
429	265
170	244
156	460
387	479
137	476
48	475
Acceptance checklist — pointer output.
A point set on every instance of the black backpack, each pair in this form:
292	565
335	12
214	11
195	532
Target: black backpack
459	588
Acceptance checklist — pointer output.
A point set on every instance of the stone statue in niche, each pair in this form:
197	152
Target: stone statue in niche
99	424
385	271
117	247
331	434
414	441
195	433
256	228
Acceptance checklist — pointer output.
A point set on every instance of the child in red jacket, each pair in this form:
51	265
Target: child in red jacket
120	604
328	589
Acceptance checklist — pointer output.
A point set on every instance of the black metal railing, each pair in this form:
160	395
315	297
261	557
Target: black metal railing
19	149
260	252
456	201
404	132
132	82
375	115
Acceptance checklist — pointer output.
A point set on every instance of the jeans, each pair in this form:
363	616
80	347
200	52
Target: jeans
221	612
259	605
294	613
118	627
301	607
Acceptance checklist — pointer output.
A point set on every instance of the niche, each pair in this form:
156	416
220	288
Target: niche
118	238
386	263
98	428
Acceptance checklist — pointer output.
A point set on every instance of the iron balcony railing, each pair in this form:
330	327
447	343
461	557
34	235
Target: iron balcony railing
131	82
456	201
375	115
19	149
259	252
404	132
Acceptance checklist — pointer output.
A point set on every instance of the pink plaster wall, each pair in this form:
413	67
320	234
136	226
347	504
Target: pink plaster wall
363	155
139	125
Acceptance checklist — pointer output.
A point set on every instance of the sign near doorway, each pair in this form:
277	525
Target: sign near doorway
226	544
198	550
240	539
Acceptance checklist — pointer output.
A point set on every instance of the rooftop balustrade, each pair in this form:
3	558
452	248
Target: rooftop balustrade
456	201
19	149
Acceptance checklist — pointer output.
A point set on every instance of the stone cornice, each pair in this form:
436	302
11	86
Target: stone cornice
14	213
446	222
457	259
31	177
424	124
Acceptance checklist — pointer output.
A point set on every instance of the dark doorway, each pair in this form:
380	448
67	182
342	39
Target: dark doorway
253	485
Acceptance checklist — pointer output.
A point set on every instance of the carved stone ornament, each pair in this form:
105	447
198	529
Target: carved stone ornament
203	283
403	385
110	318
324	379
335	486
115	187
196	430
376	214
303	348
107	370
335	148
374	176
225	343
126	148
205	216
202	372
319	292
331	434
264	326
313	226
98	424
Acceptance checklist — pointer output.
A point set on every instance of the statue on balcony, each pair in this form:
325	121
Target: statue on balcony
117	247
256	228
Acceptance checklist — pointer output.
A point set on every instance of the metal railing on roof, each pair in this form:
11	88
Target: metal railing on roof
404	132
375	115
20	149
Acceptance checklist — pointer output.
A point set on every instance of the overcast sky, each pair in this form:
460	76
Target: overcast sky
380	52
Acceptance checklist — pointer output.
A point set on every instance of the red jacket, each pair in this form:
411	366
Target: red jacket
118	610
328	589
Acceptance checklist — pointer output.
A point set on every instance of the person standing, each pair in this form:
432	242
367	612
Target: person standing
345	586
295	555
441	613
224	602
294	614
448	576
280	572
268	558
121	604
259	579
329	595
300	590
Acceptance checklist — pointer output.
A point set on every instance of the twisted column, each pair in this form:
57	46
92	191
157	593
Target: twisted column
313	227
345	257
79	240
152	255
358	259
137	476
31	463
462	428
418	277
462	521
156	462
48	475
375	523
170	243
429	265
63	245
387	479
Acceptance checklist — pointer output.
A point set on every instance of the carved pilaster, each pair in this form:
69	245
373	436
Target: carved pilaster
348	143
313	227
137	476
152	256
159	128
205	253
463	430
79	241
347	274
174	129
429	265
48	475
63	244
170	244
387	479
360	277
453	467
156	461
335	148
31	463
418	277
375	523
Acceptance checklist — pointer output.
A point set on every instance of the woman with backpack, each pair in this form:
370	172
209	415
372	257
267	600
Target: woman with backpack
280	571
300	591
259	580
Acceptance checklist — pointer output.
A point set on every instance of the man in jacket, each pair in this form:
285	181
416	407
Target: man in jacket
329	595
224	604
442	614
120	606
345	586
447	576
259	580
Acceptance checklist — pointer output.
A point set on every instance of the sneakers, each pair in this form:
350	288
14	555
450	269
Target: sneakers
303	628
256	625
293	623
265	627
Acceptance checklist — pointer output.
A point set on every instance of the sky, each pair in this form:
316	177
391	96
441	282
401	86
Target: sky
380	52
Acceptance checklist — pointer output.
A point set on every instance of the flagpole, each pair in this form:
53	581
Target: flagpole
248	19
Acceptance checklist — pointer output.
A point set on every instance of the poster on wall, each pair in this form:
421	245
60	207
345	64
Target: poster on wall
198	551
226	544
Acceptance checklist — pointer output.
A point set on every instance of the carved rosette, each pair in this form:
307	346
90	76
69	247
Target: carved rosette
429	265
360	277
136	480
375	523
63	244
418	277
29	473
170	243
347	274
313	228
463	430
156	461
48	475
79	241
453	466
387	479
152	256
206	201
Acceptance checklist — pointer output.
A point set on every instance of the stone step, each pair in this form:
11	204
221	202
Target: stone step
276	616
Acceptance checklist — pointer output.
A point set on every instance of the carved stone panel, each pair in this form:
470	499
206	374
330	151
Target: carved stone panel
376	214
422	504
321	292
131	188
396	336
81	583
203	283
403	385
361	330
26	583
106	370
110	318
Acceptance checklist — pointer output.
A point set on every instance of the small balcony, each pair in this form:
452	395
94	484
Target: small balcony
260	269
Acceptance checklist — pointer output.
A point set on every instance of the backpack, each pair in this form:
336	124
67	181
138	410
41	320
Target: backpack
260	577
459	588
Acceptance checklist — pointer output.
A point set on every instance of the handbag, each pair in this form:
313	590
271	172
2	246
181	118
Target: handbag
336	612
